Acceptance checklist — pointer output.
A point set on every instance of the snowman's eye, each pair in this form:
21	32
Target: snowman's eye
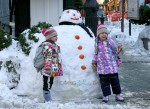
68	11
74	15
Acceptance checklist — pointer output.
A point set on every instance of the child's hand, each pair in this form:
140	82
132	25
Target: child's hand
119	45
94	67
94	64
120	48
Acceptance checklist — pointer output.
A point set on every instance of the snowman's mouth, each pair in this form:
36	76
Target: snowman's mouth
74	18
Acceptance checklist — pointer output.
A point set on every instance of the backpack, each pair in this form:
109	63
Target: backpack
39	58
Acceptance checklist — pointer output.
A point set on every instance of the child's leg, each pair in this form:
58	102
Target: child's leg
116	87
115	84
51	82
105	85
45	83
46	92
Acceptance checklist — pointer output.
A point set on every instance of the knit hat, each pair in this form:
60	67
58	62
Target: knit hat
101	29
49	33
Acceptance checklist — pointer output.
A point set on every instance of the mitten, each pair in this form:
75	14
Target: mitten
120	48
94	66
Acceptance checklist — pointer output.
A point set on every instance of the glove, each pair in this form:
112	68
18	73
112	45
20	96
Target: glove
120	48
94	64
94	67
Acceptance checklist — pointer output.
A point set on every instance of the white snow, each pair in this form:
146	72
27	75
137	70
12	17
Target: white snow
129	42
28	93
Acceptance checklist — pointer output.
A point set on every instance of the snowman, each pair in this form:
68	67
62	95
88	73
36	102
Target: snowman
77	49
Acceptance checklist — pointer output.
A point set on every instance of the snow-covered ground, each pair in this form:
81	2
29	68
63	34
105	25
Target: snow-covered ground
28	93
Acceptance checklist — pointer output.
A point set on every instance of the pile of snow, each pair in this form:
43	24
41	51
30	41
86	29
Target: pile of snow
129	42
144	37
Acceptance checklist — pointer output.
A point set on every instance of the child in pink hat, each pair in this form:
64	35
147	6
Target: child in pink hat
52	66
106	65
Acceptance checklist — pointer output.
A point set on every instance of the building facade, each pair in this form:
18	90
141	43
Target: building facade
45	10
23	14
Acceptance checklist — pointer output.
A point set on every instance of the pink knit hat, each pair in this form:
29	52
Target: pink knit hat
49	33
101	29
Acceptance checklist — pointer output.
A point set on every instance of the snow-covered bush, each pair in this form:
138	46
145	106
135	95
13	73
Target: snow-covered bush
5	40
13	76
29	35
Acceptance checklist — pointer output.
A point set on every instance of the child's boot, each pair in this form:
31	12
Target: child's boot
119	97
47	95
105	99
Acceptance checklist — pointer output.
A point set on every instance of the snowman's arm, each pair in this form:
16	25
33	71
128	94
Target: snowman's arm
86	29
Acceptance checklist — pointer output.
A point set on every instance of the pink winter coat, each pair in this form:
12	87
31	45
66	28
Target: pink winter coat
105	57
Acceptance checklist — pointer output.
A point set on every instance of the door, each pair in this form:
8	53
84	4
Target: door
22	16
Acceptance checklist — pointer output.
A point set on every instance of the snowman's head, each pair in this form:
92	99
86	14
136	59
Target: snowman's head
71	15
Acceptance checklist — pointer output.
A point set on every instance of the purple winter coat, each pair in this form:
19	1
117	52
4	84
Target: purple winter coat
105	57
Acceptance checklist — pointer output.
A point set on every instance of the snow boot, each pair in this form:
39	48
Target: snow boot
105	99
47	95
119	97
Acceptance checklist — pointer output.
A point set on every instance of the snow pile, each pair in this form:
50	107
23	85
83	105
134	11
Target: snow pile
143	42
129	42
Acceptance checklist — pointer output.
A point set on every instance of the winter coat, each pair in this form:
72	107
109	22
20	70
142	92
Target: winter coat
52	66
105	57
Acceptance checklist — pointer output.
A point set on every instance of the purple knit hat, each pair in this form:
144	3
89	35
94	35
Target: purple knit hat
101	29
49	33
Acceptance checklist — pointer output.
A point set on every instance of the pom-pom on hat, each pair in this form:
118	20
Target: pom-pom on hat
101	29
49	33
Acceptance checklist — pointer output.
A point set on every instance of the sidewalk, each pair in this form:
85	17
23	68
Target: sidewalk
135	74
135	79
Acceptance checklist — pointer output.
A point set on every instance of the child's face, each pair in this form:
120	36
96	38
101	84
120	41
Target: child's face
103	36
54	38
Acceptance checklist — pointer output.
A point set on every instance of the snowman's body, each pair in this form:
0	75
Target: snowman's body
76	82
